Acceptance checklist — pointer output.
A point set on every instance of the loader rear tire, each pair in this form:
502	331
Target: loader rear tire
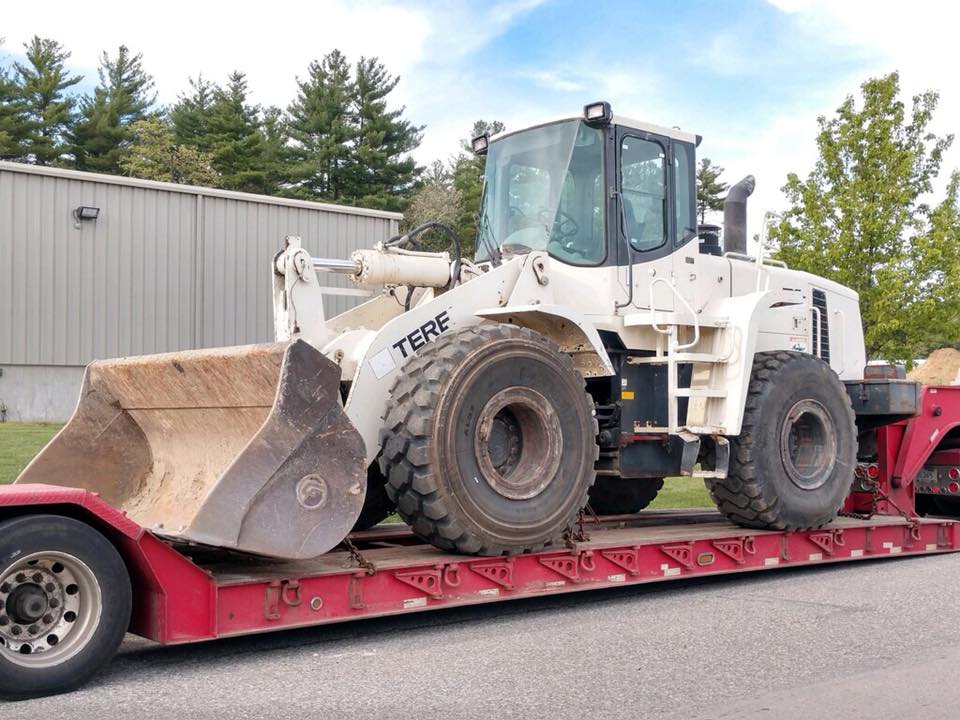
490	441
377	505
65	601
612	495
792	464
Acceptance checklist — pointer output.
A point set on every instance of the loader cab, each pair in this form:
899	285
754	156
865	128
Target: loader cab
590	191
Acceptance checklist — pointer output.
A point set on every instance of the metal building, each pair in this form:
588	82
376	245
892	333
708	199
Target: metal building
160	267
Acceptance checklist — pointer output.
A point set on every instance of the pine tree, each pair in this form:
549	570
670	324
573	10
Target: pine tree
322	128
122	98
42	84
276	152
14	124
468	170
190	116
237	145
710	191
384	171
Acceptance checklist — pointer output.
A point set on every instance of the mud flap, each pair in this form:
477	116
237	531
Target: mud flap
245	448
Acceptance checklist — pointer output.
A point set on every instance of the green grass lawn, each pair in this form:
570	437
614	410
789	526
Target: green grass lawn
19	442
682	492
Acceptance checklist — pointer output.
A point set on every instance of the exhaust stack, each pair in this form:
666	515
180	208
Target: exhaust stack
735	216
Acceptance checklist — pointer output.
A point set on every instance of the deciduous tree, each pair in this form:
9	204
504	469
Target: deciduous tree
154	154
860	217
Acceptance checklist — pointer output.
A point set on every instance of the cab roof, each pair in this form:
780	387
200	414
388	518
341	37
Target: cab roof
622	120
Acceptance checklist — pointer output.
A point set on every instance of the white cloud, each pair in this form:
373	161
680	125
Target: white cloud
918	40
272	44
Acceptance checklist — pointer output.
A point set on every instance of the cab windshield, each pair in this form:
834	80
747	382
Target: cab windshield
543	190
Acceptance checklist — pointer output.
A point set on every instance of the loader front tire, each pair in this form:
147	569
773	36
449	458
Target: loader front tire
65	601
792	464
612	495
490	441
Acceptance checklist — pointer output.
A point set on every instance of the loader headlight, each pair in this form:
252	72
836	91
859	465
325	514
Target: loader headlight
598	113
480	143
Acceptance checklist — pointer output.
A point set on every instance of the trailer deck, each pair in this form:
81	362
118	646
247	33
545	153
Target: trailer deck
189	593
405	576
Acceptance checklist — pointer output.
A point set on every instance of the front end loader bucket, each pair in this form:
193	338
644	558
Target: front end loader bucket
244	447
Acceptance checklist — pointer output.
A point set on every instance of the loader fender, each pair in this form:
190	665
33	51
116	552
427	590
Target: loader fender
749	316
401	338
569	329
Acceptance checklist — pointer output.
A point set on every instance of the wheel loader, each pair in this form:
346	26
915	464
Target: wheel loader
595	344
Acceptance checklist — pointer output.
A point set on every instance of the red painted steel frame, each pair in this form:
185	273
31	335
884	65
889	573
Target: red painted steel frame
255	606
179	600
904	447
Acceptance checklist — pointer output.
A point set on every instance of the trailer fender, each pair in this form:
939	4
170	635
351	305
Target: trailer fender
167	587
569	329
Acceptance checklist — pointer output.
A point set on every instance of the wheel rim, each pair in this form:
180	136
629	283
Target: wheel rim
518	442
808	444
50	604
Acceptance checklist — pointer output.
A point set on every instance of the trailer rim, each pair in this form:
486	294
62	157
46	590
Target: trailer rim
50	607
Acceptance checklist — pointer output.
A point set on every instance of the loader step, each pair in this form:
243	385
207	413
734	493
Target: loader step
680	357
701	392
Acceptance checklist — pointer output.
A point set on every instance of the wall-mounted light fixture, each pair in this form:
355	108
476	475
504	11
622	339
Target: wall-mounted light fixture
85	212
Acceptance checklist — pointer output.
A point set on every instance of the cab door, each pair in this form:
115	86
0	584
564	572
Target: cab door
643	218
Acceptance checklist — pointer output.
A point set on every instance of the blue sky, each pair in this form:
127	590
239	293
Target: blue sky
750	76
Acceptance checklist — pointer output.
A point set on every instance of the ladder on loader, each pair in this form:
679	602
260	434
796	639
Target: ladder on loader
705	389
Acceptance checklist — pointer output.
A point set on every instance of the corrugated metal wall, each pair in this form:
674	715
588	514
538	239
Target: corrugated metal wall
163	268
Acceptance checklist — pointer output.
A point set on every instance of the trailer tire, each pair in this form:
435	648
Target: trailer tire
490	441
612	495
792	464
377	505
65	601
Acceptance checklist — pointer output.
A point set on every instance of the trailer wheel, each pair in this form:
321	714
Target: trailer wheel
377	505
792	465
611	495
490	441
65	603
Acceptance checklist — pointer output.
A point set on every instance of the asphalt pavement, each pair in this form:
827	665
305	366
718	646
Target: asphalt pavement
878	640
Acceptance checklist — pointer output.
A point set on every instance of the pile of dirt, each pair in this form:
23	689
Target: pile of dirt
941	368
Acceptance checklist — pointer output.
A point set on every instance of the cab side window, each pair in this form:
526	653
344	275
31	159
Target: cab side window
684	186
644	192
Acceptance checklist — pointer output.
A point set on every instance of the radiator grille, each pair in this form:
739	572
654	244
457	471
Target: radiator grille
820	303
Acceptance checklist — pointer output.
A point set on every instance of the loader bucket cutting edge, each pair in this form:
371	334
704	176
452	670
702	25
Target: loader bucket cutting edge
244	447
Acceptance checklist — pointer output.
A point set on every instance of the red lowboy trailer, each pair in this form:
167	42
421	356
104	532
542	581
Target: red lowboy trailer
188	594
